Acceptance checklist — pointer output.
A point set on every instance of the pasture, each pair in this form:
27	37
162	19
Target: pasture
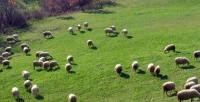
152	24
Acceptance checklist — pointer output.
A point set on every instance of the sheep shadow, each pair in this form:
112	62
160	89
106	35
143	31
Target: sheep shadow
129	37
174	94
73	64
187	67
50	37
124	75
66	18
48	59
39	70
162	77
140	71
39	97
28	54
99	11
20	100
82	32
29	90
89	29
177	51
74	34
113	35
94	47
71	72
8	67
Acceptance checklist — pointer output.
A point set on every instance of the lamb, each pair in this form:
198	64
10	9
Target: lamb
42	59
53	64
68	67
70	58
8	49
189	84
109	30
10	39
6	63
78	27
196	54
6	55
135	65
113	27
118	68
157	71
46	64
45	54
26	50
27	84
72	98
90	43
196	87
85	24
24	45
168	86
15	36
151	68
25	74
181	60
194	79
170	47
188	94
70	29
35	90
37	64
15	92
37	54
47	33
124	31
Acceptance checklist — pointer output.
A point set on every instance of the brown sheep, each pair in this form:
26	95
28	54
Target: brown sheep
6	63
170	47
189	84
26	50
196	54
10	39
151	68
157	71
68	67
37	54
85	24
188	94
181	60
47	33
194	79
72	98
135	65
109	31
8	49
78	27
70	58
25	74
118	68
46	64
27	84
53	64
37	64
90	43
168	86
24	45
15	92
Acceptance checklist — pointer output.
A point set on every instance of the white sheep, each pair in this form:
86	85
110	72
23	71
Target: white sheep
188	94
45	54
42	59
157	71
37	64
118	68
24	45
26	50
8	49
53	64
181	60
170	47
68	67
135	65
194	79
70	58
78	27
10	39
85	24
124	31
189	84
72	98
196	87
6	55
6	63
109	31
90	43
35	90
15	92
15	36
151	68
27	84
113	27
70	29
25	74
196	54
47	33
168	86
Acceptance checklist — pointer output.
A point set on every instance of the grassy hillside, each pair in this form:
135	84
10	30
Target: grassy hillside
152	24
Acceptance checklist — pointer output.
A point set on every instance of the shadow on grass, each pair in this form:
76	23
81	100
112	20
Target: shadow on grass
188	67
74	34
71	72
66	18
162	77
28	54
94	47
39	70
124	75
177	51
20	100
74	63
89	29
82	32
140	71
174	94
39	97
1	70
28	90
113	35
129	37
99	11
48	59
8	67
50	37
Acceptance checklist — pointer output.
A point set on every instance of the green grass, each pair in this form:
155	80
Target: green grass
152	24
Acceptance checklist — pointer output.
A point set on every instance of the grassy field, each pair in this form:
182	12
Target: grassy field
152	24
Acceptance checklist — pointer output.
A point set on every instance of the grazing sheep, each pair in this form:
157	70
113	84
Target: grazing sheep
135	65
8	49
157	71
196	87
109	30
151	68
24	45
194	79
46	64
27	84
90	43
25	74
26	50
6	55
70	29
15	92
169	47
196	54
42	59
118	68
47	33
1	59
35	90
78	27
68	67
37	64
124	31
45	54
188	94
113	27
6	63
70	58
15	36
53	64
72	98
168	86
37	54
10	39
181	60
189	84
85	24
